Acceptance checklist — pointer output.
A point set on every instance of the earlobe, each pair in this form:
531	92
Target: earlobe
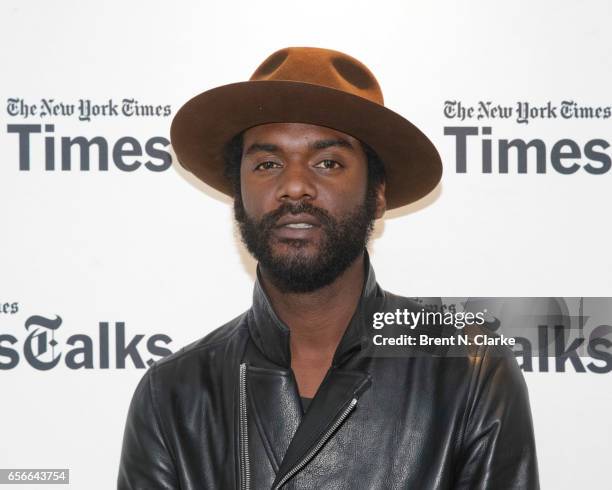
381	201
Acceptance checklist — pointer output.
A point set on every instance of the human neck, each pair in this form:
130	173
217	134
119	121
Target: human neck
317	320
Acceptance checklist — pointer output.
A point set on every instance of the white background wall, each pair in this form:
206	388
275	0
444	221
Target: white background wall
158	250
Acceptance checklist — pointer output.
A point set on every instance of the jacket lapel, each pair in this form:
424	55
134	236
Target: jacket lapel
334	395
276	408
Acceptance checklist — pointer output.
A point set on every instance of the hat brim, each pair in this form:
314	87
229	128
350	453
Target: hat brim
203	126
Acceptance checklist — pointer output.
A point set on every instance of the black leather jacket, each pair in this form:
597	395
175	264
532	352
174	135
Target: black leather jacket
224	413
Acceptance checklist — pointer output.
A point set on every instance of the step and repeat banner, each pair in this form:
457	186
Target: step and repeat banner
113	256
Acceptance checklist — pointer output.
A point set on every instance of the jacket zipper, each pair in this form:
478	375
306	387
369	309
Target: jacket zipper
319	445
245	471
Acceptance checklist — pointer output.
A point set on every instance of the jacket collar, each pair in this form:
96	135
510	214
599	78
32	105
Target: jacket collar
271	335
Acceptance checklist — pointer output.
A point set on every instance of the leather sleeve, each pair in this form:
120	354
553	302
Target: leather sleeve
498	447
145	460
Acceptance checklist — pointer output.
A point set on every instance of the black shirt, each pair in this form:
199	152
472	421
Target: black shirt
305	403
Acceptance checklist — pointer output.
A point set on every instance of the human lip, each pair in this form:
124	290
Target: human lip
298	226
301	221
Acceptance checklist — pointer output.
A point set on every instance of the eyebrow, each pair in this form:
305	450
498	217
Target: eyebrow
322	144
255	147
317	145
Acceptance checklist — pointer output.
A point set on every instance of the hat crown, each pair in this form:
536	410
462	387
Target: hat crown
319	66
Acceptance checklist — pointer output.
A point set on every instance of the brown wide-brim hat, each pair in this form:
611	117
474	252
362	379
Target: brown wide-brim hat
313	86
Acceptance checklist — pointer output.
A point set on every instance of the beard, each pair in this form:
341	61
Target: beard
342	241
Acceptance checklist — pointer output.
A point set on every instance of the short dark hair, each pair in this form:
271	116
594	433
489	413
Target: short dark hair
233	157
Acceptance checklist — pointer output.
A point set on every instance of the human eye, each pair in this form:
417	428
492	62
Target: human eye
267	165
328	164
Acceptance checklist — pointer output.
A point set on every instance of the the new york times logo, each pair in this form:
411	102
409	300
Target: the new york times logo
43	351
478	143
82	153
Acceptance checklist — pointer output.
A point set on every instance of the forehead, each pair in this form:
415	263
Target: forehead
295	136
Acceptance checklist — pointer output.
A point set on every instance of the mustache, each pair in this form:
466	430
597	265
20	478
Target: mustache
270	219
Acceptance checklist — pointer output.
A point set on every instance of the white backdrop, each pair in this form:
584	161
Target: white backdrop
158	251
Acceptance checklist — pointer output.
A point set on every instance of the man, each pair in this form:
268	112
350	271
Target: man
293	393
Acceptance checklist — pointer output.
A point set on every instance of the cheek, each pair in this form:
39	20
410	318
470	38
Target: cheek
341	202
255	197
345	195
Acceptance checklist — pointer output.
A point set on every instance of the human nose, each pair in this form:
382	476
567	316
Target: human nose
296	184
